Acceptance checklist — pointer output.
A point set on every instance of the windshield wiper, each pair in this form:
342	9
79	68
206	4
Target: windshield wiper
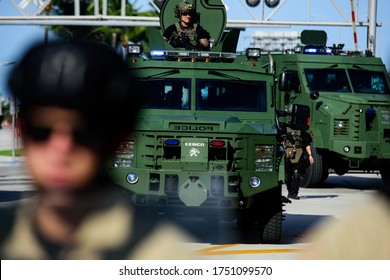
332	66
163	74
359	67
220	74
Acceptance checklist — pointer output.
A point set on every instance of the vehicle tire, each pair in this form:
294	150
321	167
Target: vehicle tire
315	172
270	221
272	230
264	216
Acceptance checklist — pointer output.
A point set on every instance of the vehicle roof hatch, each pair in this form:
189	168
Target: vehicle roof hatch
210	14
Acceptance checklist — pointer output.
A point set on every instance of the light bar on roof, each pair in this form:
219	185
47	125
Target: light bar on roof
191	54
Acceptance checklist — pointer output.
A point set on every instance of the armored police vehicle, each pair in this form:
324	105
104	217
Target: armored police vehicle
349	98
206	140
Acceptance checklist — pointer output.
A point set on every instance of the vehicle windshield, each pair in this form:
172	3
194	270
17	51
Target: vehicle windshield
166	94
364	81
327	80
335	80
217	95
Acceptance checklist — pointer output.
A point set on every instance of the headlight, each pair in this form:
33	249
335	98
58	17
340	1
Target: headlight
264	158
254	182
124	154
341	127
253	53
133	49
132	178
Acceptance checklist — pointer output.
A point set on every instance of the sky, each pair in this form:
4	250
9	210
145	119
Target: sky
15	39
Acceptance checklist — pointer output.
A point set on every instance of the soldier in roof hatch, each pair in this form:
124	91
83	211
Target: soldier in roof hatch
187	33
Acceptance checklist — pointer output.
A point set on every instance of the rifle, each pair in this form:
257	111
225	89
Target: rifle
183	41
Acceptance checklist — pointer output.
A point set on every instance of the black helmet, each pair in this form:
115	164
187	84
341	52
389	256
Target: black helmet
184	7
90	78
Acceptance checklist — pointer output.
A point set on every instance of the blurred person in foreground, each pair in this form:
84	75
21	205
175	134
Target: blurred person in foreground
77	104
361	234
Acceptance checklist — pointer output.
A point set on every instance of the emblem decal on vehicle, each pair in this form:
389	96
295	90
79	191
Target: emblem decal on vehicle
194	152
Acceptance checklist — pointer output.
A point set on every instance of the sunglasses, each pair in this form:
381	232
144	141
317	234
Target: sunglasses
42	134
186	14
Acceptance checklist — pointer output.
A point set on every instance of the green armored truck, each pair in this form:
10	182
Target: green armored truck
349	98
206	143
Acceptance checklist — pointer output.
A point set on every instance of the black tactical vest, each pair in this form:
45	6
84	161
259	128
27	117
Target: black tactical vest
190	33
293	145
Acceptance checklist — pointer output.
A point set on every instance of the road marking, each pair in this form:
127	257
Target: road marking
218	250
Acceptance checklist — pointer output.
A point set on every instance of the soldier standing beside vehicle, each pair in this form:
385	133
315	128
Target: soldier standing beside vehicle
296	142
187	33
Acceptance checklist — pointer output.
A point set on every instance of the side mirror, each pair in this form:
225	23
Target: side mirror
300	117
289	80
283	81
314	94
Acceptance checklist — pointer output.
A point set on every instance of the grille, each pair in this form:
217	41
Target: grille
124	154
264	158
341	127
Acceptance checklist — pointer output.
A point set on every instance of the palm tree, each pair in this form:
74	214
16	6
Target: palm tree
112	36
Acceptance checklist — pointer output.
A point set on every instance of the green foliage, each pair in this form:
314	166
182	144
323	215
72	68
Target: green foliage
5	111
113	36
8	153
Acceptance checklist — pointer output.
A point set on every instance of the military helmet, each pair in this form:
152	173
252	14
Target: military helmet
183	7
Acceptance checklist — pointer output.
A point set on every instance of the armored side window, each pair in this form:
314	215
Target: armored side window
216	95
166	94
368	81
327	80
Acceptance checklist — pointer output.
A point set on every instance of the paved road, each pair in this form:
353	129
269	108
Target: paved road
336	197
